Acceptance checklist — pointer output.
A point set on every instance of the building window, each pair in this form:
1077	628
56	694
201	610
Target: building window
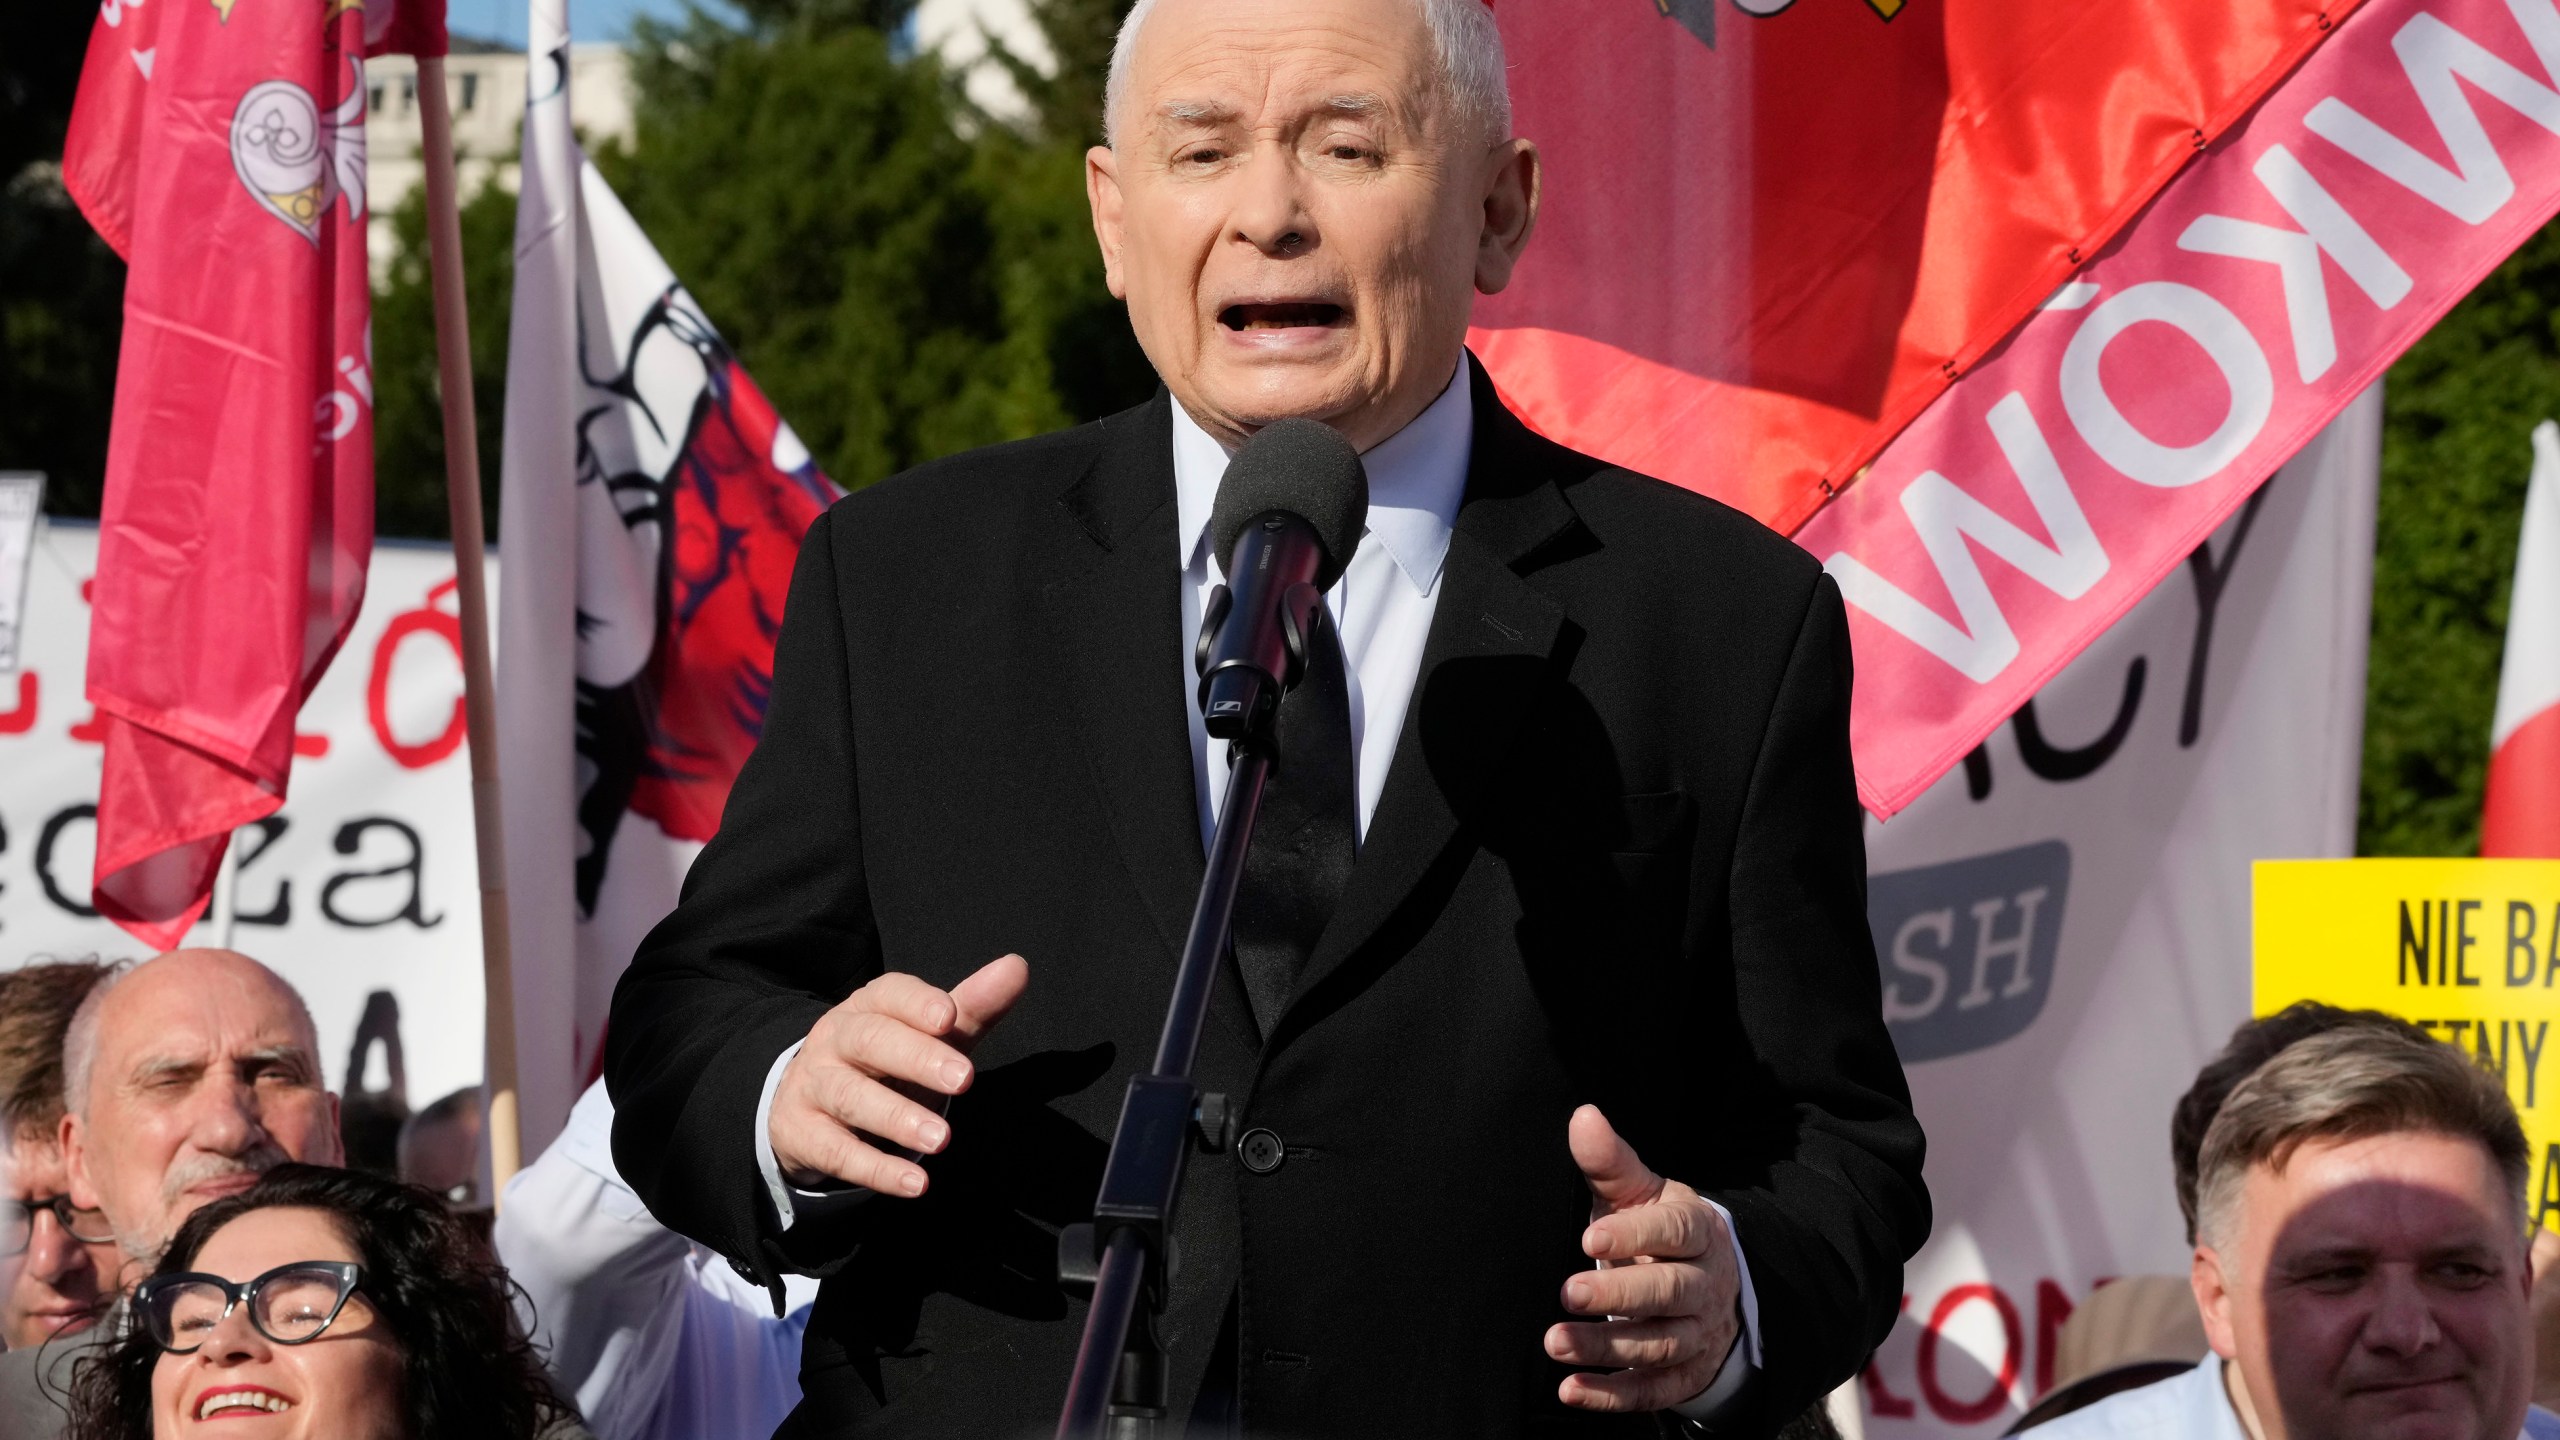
375	99
408	92
470	90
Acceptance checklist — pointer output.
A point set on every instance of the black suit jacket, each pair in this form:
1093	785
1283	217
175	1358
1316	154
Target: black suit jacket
1617	860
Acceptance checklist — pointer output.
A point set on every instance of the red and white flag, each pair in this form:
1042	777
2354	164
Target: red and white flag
2521	814
653	508
219	147
2000	309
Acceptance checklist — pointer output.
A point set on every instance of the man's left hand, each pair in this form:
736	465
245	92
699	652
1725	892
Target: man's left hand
1666	1287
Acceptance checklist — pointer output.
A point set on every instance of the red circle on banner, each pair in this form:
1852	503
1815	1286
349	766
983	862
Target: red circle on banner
377	690
1992	1401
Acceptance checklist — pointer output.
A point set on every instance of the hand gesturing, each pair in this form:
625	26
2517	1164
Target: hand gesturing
856	1077
1666	1283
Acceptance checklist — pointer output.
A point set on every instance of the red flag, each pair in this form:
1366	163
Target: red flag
219	144
105	139
1774	233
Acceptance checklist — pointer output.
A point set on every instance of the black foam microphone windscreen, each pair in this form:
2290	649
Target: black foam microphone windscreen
1306	468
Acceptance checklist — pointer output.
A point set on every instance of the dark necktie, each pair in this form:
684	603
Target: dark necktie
1307	834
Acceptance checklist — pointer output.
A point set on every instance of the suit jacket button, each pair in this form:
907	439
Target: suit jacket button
1261	1151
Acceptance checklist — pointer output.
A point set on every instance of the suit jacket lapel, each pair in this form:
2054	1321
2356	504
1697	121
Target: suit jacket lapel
1117	606
1492	636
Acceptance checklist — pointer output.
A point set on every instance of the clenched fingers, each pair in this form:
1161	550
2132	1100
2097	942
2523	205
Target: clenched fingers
905	998
1631	1344
860	1103
1669	1230
1630	1391
889	1047
807	1142
1641	1292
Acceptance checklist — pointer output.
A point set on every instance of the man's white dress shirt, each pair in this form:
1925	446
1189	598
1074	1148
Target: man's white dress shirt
654	1337
2194	1406
1381	608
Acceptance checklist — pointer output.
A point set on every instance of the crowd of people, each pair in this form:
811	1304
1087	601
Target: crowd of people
184	1239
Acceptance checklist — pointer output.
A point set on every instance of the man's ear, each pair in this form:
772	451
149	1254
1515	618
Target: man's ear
75	1162
1102	193
1510	213
2214	1301
337	1145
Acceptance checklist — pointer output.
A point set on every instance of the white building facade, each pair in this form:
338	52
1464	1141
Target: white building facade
484	88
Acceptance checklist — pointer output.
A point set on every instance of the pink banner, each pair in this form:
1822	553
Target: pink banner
2269	283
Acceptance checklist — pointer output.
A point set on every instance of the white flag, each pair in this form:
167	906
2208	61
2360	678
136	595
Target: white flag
653	505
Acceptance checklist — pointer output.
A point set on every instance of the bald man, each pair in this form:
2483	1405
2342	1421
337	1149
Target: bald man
185	1078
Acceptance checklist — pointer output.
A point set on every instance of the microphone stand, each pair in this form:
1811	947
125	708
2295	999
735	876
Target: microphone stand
1119	1379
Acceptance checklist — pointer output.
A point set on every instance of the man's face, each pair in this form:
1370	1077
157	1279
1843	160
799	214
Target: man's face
52	1286
2375	1290
1296	217
204	1078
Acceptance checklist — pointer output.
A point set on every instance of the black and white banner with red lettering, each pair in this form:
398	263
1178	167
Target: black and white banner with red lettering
363	882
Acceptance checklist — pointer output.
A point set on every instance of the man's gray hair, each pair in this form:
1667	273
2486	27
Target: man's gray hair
2353	1084
1470	70
80	1042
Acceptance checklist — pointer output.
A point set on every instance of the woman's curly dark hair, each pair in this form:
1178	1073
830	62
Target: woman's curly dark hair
467	1367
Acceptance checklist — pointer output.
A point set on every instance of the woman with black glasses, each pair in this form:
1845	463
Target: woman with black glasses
325	1304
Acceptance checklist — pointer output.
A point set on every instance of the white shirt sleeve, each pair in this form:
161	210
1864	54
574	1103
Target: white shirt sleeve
1744	1358
603	1280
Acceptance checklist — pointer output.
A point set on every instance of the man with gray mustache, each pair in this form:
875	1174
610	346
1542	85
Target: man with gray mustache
185	1078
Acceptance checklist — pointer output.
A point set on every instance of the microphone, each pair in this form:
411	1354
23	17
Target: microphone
1289	515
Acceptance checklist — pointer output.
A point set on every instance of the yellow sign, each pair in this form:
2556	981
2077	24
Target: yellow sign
2469	949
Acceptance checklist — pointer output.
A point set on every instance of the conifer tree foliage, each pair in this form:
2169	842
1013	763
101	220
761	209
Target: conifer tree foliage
408	423
61	288
904	276
2459	412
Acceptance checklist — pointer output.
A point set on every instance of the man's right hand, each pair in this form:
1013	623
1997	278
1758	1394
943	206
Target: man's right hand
839	1111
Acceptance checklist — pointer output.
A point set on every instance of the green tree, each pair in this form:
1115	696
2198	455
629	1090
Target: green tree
408	421
1066	97
812	189
2459	409
61	288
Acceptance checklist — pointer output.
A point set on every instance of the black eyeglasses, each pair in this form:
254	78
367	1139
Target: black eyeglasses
291	1304
18	1223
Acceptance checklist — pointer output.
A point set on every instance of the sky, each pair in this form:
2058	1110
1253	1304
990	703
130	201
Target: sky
588	19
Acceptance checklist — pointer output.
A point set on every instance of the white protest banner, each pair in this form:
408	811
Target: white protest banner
2063	926
364	882
21	506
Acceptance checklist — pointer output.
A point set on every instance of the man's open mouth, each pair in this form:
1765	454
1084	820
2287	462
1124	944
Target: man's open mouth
1281	315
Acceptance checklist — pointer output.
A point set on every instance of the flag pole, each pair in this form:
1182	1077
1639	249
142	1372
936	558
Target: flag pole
462	491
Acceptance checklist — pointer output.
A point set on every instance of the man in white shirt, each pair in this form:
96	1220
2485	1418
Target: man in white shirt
652	1336
2360	1258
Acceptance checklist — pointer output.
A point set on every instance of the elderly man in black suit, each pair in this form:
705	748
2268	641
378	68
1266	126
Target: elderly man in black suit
1575	873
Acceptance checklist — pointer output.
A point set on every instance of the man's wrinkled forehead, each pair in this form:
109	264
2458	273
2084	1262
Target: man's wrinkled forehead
234	1021
1223	64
